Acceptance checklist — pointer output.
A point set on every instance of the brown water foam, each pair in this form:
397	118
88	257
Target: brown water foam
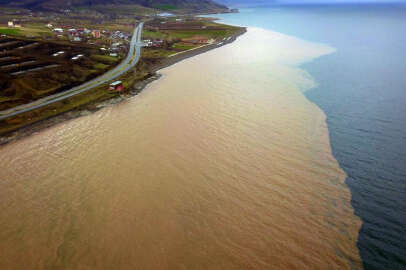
221	164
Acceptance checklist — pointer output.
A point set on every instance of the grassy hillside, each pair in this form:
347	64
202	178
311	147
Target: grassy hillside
196	6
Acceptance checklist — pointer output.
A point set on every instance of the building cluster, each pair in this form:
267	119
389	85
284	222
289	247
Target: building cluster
14	24
116	86
197	41
83	34
119	35
153	42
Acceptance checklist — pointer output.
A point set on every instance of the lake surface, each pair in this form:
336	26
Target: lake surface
362	90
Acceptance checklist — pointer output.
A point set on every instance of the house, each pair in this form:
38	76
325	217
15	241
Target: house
49	25
96	33
113	54
165	14
147	43
156	43
196	40
14	24
58	53
77	39
77	57
58	30
117	86
202	41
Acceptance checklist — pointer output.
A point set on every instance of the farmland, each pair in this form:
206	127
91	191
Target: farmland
180	34
32	69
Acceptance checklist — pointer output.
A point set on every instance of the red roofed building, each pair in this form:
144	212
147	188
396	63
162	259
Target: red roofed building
117	86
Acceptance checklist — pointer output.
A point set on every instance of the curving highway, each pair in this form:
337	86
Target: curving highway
129	62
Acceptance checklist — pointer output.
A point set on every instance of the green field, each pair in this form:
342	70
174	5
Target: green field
192	33
156	53
9	31
123	9
30	30
105	59
165	7
220	31
183	47
152	34
100	66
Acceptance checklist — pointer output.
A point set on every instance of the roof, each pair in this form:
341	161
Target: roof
115	83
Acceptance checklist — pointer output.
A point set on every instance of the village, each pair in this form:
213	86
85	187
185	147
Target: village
113	42
160	32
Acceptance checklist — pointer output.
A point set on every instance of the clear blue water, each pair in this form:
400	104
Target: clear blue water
362	90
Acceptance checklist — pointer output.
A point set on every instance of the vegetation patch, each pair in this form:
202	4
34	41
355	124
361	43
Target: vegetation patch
153	34
105	59
183	46
8	31
183	34
100	66
165	7
123	9
156	53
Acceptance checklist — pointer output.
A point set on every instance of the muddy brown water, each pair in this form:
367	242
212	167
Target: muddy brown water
221	164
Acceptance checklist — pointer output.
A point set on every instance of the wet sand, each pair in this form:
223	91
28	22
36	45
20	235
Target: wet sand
220	164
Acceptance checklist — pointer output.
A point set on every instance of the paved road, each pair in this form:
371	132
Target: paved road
130	61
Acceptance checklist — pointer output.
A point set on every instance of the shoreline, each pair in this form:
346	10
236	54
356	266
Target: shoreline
185	128
92	107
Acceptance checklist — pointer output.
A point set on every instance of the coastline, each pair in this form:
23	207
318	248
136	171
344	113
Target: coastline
291	109
173	154
135	89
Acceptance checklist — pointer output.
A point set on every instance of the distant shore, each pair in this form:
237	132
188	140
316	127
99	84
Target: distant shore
135	89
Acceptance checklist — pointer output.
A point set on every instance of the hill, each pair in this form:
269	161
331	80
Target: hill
246	3
195	6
